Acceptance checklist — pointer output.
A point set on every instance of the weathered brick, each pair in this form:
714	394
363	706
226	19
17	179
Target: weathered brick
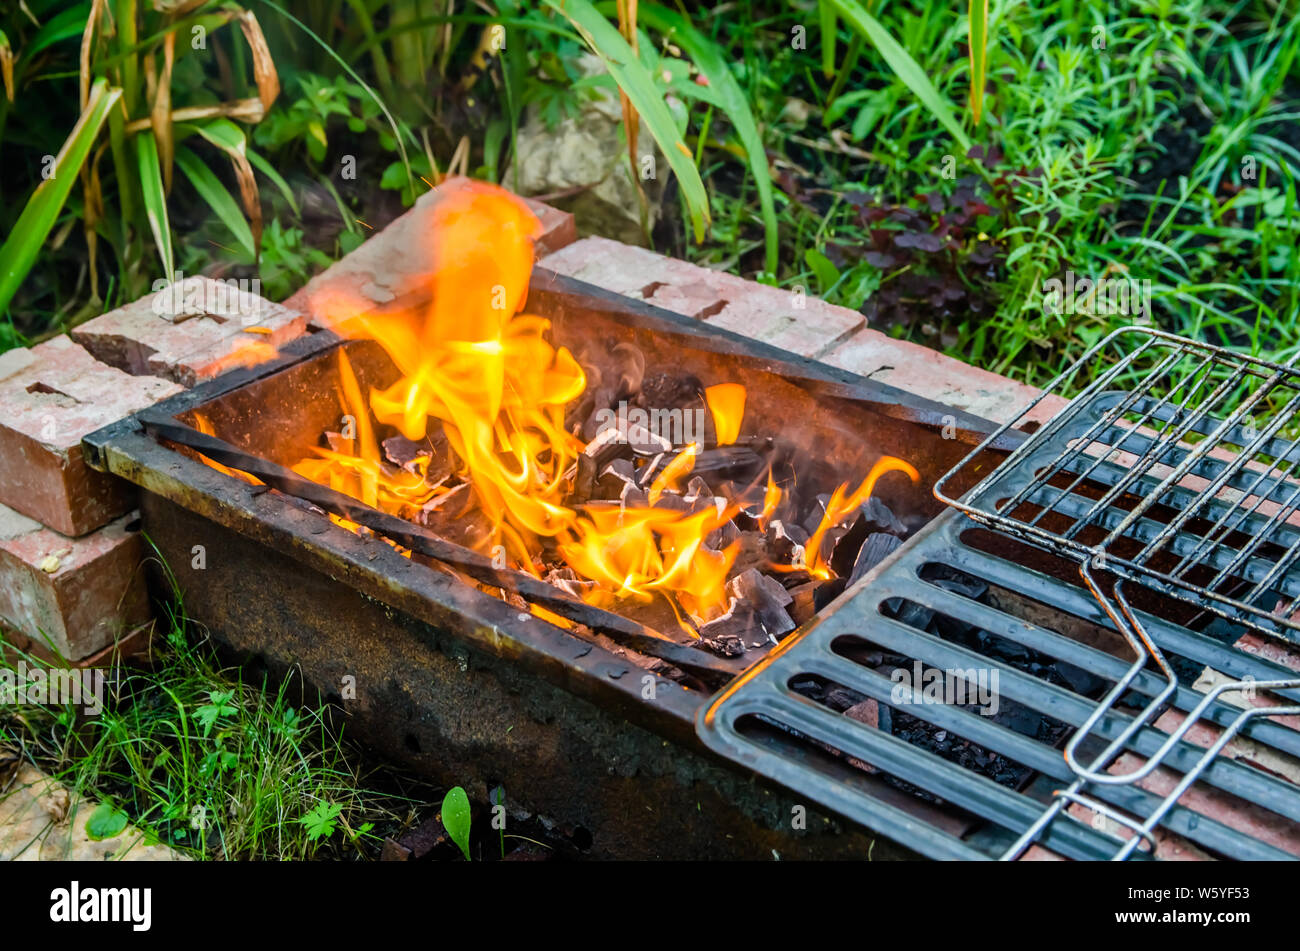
50	397
70	597
558	227
190	331
792	321
803	325
398	261
619	267
925	372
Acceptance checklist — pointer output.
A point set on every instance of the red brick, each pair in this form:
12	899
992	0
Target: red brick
925	372
558	227
190	331
619	267
50	397
398	261
783	318
70	597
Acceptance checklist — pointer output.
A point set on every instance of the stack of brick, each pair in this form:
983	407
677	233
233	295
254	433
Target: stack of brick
71	584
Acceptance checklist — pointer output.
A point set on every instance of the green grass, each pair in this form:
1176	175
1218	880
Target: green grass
212	764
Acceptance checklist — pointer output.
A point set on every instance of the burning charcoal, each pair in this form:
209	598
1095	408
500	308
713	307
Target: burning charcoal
697	488
584	480
566	579
728	645
725	460
753	553
729	634
880	518
621	469
633	496
673	502
613	478
802	605
704	503
404	453
909	613
874	550
340	443
829	591
1078	679
873	516
814	518
809	687
723	536
433	453
842	698
645	475
766	598
784	542
671	390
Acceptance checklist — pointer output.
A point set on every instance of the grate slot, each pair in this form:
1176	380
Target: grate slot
1256	570
974	793
1108	667
1273	794
993	736
1080	603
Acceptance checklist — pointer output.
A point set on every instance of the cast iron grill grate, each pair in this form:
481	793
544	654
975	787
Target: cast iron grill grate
764	720
1173	485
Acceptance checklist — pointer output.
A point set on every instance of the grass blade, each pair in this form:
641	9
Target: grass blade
219	200
829	25
632	77
903	65
155	199
713	64
979	55
21	247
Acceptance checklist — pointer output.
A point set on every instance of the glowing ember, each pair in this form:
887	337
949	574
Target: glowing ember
485	374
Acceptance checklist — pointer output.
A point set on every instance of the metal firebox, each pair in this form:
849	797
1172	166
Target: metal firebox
465	687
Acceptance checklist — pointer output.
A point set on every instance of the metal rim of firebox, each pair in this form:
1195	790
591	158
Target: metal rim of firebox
1092	418
123	448
765	691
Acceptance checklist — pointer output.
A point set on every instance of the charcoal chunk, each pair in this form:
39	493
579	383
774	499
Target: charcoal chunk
875	549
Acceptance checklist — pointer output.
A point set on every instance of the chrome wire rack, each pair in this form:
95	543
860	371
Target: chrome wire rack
1188	484
1207	451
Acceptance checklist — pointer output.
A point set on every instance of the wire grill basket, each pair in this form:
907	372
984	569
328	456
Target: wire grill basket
1187	480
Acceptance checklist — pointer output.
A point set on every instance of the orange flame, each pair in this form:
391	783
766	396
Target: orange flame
841	506
487	374
727	405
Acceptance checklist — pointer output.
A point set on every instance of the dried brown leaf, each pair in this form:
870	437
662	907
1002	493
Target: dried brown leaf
249	196
264	74
7	69
87	41
161	113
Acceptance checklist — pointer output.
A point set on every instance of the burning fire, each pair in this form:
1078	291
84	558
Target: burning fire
485	373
